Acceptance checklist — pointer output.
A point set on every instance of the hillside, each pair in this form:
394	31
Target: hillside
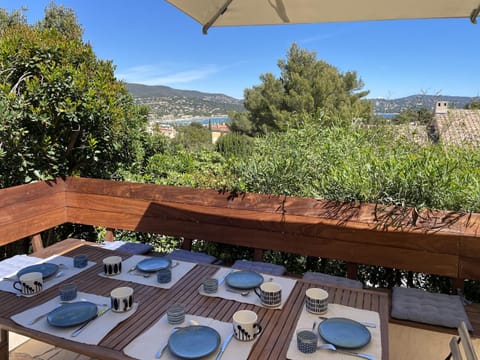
168	103
417	102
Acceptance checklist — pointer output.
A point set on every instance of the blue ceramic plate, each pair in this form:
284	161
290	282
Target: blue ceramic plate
72	314
154	264
244	279
344	333
47	269
194	342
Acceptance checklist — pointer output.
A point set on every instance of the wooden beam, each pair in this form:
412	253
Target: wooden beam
187	244
4	353
109	235
258	254
37	243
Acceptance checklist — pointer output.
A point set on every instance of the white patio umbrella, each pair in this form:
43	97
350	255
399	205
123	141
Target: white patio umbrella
270	12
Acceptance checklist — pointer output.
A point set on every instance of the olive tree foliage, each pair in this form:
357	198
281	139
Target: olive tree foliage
61	19
306	87
473	105
193	137
63	110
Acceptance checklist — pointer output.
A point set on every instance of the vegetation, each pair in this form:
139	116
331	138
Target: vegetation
306	88
302	134
63	111
473	105
193	137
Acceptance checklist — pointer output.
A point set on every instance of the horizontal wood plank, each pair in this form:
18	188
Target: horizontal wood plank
32	208
25	193
258	220
24	227
383	218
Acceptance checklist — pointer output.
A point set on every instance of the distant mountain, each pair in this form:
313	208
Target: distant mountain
417	102
166	102
139	90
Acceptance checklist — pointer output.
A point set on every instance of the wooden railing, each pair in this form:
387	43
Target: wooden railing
435	242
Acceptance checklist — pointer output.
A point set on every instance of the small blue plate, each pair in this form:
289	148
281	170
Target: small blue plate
72	314
194	342
344	333
47	269
154	264
244	280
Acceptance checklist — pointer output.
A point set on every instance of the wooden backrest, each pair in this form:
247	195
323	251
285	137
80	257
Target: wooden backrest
469	352
435	242
27	210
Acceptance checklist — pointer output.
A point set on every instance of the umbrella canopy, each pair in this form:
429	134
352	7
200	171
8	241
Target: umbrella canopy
270	12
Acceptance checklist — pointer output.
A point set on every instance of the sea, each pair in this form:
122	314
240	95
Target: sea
225	119
202	120
385	115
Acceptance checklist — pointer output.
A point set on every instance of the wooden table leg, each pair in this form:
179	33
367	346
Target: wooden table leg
3	345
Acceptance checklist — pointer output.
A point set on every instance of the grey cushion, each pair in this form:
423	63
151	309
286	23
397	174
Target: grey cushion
135	248
332	280
429	308
259	266
190	256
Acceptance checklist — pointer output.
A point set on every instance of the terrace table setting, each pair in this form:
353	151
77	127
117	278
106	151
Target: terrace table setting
147	345
247	294
143	330
55	269
100	325
131	271
370	343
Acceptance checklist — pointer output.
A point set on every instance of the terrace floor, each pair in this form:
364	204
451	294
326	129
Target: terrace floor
406	343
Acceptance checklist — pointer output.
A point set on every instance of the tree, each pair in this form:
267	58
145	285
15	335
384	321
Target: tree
473	105
422	116
307	89
193	137
61	19
9	19
63	111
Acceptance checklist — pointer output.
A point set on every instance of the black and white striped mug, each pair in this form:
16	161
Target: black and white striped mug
245	325
29	283
270	293
121	299
112	265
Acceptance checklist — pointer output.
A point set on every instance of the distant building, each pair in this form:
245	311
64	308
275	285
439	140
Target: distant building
218	130
456	126
167	130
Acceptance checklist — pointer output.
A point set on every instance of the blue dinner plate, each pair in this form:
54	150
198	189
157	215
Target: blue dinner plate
194	342
154	264
47	269
72	314
244	279
344	333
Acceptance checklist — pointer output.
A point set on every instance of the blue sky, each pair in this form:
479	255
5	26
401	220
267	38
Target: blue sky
153	43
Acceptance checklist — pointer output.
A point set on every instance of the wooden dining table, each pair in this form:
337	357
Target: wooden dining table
278	325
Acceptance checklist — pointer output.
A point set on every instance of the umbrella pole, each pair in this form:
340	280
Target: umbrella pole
474	14
215	16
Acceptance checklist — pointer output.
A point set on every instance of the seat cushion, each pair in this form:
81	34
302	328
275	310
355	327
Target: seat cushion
259	266
190	256
135	248
429	308
332	280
